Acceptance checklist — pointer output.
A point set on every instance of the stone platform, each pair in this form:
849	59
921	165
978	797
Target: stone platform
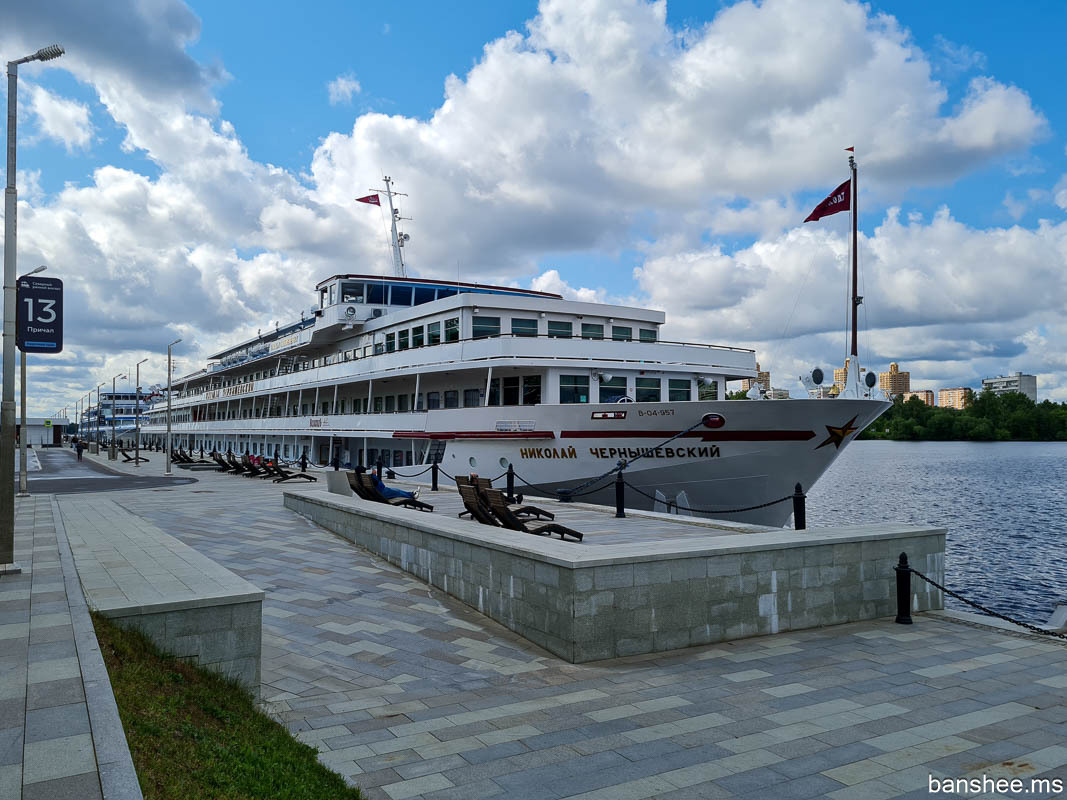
141	577
648	583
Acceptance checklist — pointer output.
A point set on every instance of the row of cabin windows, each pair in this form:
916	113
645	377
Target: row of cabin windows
431	333
575	389
384	294
483	327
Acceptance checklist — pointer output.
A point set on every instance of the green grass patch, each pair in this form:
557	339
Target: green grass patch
195	734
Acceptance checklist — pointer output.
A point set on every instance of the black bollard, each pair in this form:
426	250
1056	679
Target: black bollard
620	488
511	483
433	477
800	517
336	461
903	590
379	467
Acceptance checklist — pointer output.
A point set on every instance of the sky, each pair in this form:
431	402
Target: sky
188	169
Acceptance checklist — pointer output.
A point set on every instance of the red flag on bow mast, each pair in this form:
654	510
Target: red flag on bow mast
372	199
840	199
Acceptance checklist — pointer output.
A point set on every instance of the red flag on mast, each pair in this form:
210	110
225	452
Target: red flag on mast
372	199
840	199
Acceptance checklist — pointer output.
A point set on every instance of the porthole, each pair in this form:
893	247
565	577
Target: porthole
504	463
473	462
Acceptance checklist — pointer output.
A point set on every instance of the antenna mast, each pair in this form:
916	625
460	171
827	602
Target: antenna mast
856	299
398	238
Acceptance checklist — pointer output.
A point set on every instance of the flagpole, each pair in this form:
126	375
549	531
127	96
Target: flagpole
855	261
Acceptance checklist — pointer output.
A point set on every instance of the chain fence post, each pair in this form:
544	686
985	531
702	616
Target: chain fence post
800	517
511	483
620	489
564	495
433	476
903	590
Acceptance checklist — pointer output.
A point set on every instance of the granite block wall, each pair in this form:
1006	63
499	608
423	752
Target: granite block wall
225	638
642	604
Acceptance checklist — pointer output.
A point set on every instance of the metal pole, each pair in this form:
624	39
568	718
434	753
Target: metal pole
620	496
112	455
7	405
800	517
22	428
903	590
166	471
99	408
137	415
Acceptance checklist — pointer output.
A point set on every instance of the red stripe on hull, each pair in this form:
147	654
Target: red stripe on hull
706	436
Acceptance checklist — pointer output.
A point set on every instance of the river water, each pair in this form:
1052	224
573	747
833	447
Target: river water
1004	505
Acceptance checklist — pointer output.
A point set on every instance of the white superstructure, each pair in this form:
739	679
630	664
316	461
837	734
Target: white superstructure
405	371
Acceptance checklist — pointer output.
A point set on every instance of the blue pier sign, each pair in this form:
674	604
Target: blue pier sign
39	318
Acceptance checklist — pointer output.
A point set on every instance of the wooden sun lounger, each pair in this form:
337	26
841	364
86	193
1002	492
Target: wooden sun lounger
279	475
126	457
473	503
484	484
499	506
235	465
376	496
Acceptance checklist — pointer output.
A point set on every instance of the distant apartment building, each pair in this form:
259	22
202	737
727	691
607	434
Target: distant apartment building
762	378
777	394
958	398
841	373
926	395
1023	384
895	382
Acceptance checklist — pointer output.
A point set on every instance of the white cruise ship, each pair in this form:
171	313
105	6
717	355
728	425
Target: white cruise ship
406	371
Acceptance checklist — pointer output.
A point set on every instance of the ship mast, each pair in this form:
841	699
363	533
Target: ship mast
856	299
398	238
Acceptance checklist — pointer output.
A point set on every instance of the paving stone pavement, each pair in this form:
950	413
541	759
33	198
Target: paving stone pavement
410	694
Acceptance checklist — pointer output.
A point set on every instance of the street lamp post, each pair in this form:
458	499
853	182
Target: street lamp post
7	404
137	413
112	455
99	409
23	491
169	347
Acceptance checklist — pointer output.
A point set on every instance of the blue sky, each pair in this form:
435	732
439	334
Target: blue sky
603	151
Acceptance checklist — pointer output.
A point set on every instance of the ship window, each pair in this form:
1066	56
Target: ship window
592	331
611	390
286	451
451	398
401	402
303	409
418	402
433	400
470	398
511	391
326	408
351	292
647	390
390	404
708	390
452	329
402	340
377	405
322	298
648	335
531	390
445	293
494	392
524	327
401	296
482	327
433	333
423	296
678	391
561	330
621	333
574	388
390	342
376	293
417	336
333	293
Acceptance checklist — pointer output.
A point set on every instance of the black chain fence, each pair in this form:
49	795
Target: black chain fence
989	611
713	510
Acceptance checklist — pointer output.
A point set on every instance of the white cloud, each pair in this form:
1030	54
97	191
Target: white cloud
598	122
343	88
60	119
1015	208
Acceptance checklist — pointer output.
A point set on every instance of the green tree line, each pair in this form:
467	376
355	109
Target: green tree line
989	417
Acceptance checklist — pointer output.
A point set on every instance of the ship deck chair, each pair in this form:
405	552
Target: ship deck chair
223	466
357	486
482	485
279	475
235	465
499	506
474	506
126	457
251	470
375	495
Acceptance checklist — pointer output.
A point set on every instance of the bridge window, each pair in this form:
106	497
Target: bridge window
376	293
592	331
401	296
648	335
483	327
648	390
524	327
452	329
352	292
574	388
621	333
424	295
561	330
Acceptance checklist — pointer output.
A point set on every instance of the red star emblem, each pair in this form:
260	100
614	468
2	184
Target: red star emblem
837	435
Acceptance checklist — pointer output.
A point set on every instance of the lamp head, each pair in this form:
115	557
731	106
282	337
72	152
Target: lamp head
48	53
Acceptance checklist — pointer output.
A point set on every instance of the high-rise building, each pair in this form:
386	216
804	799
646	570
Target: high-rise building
958	398
926	395
762	378
1023	384
894	382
